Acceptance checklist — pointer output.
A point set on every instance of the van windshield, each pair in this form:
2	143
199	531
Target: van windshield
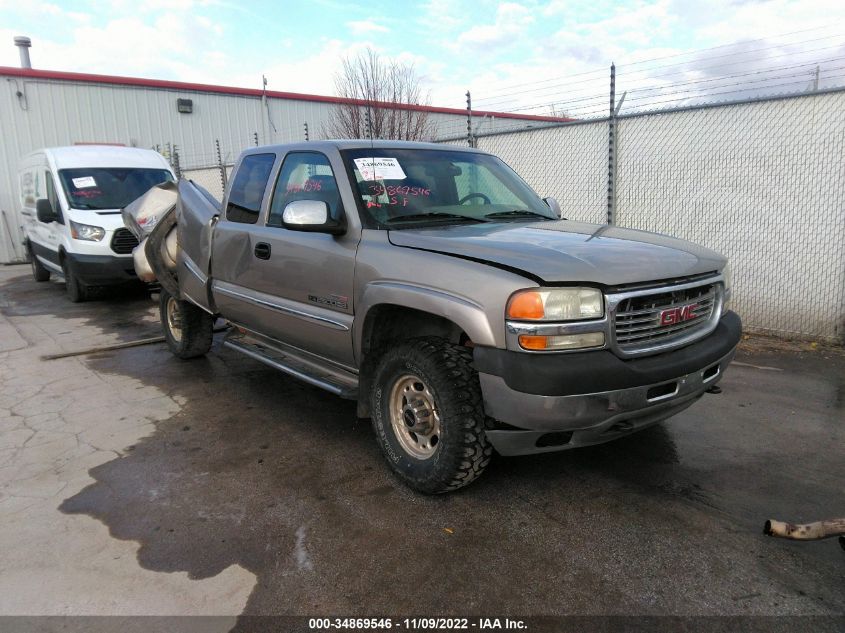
400	188
108	187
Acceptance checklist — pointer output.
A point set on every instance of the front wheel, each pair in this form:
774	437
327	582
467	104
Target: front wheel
39	272
76	290
428	415
187	329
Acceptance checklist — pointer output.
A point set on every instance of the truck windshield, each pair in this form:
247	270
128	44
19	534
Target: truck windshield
401	188
108	187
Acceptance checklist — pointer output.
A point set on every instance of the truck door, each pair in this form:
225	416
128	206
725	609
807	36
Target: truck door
293	286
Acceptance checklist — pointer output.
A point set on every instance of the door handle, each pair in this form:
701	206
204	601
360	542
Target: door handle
262	250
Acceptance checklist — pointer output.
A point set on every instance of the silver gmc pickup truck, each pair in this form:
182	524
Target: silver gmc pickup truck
459	309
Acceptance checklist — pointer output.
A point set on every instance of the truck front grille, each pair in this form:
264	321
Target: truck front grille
122	242
648	320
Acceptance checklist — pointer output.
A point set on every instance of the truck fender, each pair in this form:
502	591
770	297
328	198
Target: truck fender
463	312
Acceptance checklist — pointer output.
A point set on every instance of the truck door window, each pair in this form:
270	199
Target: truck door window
52	197
247	191
304	176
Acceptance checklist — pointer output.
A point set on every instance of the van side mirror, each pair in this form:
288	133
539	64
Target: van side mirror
44	211
311	216
555	207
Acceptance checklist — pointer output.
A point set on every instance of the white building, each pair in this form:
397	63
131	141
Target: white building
44	108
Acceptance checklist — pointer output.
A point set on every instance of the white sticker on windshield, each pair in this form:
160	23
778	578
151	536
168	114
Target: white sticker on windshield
376	168
82	183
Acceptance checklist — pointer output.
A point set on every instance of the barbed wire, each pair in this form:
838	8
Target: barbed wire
579	102
484	102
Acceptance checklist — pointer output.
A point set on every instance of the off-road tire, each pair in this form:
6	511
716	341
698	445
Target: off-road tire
194	335
39	272
462	451
77	291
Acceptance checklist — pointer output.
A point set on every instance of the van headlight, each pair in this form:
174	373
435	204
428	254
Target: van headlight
86	232
556	304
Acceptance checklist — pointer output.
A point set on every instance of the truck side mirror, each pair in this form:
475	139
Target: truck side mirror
44	211
555	207
311	216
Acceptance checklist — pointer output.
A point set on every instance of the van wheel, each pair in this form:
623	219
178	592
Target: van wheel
428	415
39	273
76	290
187	329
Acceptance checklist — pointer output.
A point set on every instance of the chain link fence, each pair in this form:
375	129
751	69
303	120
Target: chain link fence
210	170
760	181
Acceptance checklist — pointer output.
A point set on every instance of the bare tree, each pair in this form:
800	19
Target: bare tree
385	93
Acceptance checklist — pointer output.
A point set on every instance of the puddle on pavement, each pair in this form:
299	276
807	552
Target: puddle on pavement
265	472
262	471
114	310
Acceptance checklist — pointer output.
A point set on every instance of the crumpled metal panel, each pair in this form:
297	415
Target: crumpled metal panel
142	214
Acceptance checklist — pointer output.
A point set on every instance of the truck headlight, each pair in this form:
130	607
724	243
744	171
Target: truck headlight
556	304
86	232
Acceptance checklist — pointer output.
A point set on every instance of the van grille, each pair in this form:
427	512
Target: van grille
122	242
657	319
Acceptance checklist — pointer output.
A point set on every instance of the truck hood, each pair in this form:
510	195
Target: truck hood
566	251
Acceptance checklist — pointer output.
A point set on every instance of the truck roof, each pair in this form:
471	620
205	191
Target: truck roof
341	144
103	156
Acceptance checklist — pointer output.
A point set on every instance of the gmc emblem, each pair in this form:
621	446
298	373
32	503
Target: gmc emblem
671	316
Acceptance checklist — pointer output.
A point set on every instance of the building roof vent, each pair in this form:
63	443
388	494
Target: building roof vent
23	43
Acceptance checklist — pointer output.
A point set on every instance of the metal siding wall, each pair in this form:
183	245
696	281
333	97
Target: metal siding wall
761	182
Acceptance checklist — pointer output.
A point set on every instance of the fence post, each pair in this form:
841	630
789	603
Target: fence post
469	120
611	146
175	162
220	164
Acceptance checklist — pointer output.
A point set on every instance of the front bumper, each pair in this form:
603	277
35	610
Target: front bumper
570	400
101	270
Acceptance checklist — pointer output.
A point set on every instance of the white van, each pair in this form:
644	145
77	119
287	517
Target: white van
71	199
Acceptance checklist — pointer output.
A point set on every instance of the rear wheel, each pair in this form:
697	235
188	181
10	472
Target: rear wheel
76	290
39	272
428	415
187	329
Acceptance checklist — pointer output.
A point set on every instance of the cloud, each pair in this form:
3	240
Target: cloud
312	73
543	47
441	15
511	21
162	44
362	27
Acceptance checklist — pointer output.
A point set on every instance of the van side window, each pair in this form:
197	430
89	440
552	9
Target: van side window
248	188
304	176
27	189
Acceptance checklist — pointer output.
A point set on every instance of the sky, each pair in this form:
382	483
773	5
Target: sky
535	57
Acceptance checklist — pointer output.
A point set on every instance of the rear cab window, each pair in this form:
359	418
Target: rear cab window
247	192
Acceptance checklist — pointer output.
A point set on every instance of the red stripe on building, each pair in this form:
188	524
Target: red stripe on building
163	84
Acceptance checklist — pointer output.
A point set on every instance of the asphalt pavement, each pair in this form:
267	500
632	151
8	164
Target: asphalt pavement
132	482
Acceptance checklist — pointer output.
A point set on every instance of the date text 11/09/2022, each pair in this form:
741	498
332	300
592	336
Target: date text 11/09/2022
413	624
